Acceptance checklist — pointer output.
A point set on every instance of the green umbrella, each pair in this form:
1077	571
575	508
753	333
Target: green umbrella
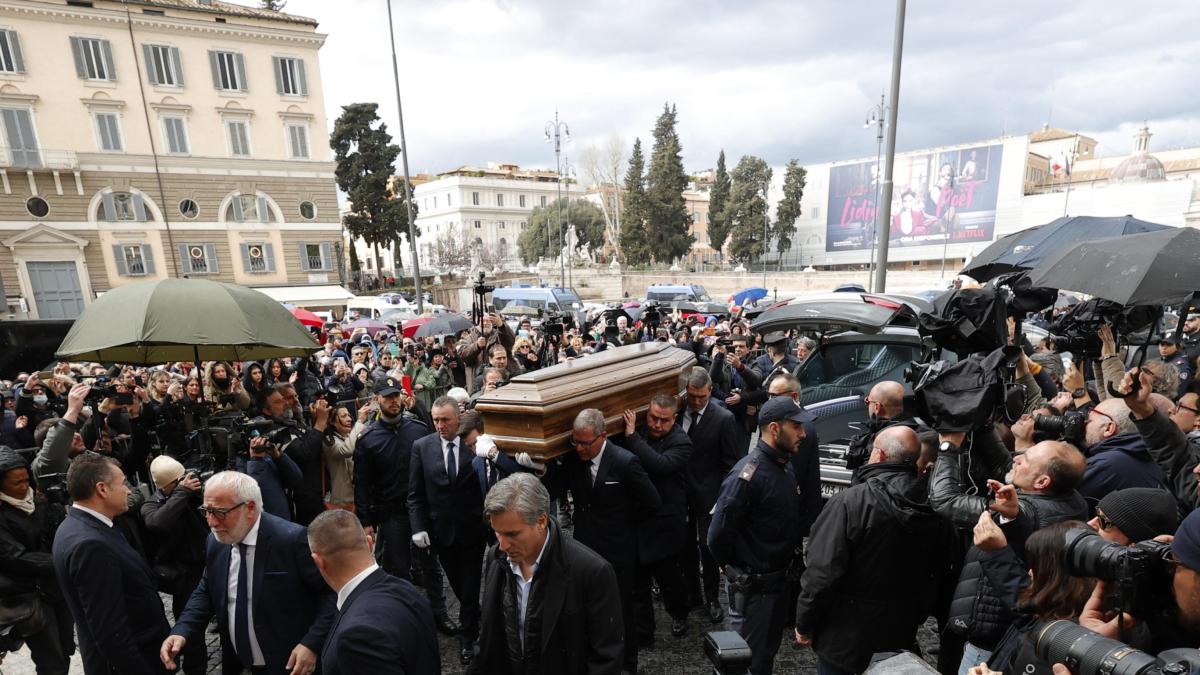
185	320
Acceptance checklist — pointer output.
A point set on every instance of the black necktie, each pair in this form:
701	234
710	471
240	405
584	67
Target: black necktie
695	423
241	632
451	461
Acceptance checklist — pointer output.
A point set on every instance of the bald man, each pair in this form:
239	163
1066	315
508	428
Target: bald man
384	624
853	605
885	408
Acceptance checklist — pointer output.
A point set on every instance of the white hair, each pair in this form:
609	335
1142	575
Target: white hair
243	486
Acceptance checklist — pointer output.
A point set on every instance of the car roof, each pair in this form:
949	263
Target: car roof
838	312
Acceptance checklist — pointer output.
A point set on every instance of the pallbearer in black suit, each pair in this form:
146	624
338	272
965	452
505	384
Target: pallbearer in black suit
445	509
612	496
110	589
384	625
273	610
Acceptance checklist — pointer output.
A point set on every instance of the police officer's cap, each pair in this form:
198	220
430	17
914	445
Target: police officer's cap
783	408
390	387
774	337
1169	339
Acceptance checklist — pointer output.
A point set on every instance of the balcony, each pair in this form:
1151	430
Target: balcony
54	160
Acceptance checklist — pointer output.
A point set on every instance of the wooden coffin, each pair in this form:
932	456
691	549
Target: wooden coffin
535	412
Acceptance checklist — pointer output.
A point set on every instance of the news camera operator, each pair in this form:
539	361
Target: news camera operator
300	447
27	525
178	533
479	343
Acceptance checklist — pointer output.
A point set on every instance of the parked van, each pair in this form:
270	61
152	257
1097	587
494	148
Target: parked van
666	293
544	299
373	307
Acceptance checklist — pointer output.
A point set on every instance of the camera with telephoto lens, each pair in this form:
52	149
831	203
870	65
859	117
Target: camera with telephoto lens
53	487
1067	427
1141	572
103	388
1088	653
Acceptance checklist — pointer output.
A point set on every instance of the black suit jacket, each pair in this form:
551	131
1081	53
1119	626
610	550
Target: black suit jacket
113	596
607	512
666	462
574	595
385	626
450	511
807	465
715	449
292	603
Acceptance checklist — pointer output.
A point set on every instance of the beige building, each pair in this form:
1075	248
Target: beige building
161	138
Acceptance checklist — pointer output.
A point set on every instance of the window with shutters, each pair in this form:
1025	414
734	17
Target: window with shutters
108	132
118	207
134	264
199	258
175	135
521	201
249	208
133	260
475	198
93	58
298	141
163	66
290	78
228	70
499	200
238	132
11	60
259	258
20	138
316	257
543	201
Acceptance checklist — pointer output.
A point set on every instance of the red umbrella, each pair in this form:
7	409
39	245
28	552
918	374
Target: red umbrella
370	325
410	327
307	318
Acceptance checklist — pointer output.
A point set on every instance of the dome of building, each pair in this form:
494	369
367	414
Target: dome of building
1141	166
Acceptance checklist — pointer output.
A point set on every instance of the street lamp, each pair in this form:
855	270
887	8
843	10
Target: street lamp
557	132
876	117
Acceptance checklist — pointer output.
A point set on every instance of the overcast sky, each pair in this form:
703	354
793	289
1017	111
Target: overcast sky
780	80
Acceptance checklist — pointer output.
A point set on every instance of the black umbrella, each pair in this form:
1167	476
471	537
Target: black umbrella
444	324
1153	268
1026	249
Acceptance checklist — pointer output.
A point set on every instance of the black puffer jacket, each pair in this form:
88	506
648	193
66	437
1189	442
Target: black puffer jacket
875	556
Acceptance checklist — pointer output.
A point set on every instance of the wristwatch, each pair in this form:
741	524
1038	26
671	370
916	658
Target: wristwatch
947	446
1079	393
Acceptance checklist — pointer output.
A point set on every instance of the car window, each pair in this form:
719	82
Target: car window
851	369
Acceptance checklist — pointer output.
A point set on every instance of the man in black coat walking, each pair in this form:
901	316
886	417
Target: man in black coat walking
872	561
664	451
613	495
384	624
550	604
109	587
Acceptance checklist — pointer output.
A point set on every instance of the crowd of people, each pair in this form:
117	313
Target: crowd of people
351	487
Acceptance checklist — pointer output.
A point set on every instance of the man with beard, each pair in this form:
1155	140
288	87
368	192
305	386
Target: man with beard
755	530
1117	457
273	609
664	450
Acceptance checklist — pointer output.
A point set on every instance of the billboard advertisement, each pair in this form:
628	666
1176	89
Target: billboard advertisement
937	197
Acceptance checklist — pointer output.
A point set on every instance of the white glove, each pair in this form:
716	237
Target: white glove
421	539
526	461
485	447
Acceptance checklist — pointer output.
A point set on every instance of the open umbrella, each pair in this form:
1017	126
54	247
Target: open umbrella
748	296
1028	248
410	326
444	324
1153	268
370	325
185	320
307	318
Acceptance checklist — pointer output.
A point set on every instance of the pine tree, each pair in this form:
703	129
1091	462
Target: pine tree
718	226
635	244
365	158
587	218
788	209
667	218
746	211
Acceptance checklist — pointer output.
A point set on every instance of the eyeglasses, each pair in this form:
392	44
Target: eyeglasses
1104	521
219	514
1180	406
1110	417
583	444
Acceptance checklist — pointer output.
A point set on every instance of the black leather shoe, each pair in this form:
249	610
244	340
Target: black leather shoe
445	625
679	627
464	655
715	613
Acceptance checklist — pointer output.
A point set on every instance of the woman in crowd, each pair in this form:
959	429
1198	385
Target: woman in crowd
223	388
276	371
254	381
525	355
338	452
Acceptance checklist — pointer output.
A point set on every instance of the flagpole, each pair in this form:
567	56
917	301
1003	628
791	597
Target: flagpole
1067	173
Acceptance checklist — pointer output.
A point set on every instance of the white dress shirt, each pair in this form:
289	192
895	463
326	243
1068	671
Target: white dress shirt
595	463
687	417
235	568
523	586
349	586
446	456
99	516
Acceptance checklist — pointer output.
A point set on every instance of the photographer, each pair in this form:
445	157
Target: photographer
1117	457
481	342
493	378
179	534
498	358
34	403
62	438
1176	454
738	384
342	384
302	447
27	526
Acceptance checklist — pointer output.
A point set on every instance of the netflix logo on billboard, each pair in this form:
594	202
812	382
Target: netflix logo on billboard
936	197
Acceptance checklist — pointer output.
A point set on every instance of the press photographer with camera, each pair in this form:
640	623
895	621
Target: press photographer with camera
480	342
1176	452
27	525
62	439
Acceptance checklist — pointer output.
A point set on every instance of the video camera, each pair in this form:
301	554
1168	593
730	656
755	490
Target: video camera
336	394
1087	653
651	314
102	388
1068	426
555	325
480	289
1077	331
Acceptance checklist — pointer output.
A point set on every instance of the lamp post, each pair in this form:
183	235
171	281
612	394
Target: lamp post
412	228
883	229
876	117
557	132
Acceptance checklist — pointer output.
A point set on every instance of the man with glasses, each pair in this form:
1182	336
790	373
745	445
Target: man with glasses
273	609
612	495
1117	457
1128	516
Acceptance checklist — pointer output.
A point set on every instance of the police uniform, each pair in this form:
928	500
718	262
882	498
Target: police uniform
754	536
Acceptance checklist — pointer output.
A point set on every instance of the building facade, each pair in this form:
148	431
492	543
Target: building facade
484	208
160	138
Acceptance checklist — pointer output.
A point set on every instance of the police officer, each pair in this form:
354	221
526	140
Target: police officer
1169	350
755	530
381	459
776	359
1191	336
